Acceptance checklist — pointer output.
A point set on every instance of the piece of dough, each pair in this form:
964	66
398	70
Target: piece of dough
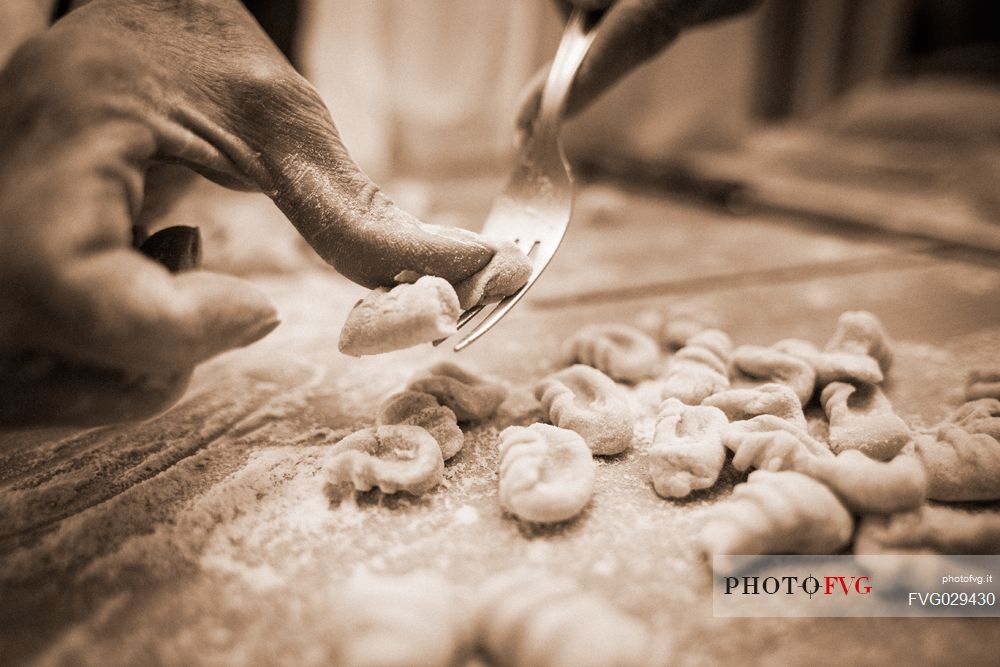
767	399
930	529
585	400
401	621
687	451
962	456
392	458
982	383
768	442
833	366
863	484
700	368
675	324
538	620
777	366
505	273
868	486
979	416
546	473
420	409
862	418
622	352
404	316
861	332
778	513
468	394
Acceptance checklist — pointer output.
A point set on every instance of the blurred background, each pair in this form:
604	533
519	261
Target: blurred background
881	113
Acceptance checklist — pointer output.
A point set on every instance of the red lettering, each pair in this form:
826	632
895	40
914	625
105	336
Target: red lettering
831	585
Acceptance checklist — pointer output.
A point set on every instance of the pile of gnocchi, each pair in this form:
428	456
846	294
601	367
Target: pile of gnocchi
864	485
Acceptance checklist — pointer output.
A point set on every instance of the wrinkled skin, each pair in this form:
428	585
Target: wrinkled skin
93	111
630	32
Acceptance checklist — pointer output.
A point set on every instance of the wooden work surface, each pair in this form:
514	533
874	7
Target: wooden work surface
204	536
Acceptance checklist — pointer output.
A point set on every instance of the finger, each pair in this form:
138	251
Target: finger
600	68
345	217
245	117
532	93
46	391
633	31
566	7
527	108
119	309
379	242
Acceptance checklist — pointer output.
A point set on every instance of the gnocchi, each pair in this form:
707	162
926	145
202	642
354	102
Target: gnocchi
778	513
861	332
392	458
505	273
687	451
766	399
700	368
862	418
962	456
585	400
777	366
400	621
546	473
833	366
982	383
862	484
869	486
420	409
767	442
469	395
406	315
931	528
622	352
530	620
674	325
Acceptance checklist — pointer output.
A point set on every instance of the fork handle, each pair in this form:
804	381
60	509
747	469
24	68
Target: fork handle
573	47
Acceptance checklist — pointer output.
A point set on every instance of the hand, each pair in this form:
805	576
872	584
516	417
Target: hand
92	331
630	32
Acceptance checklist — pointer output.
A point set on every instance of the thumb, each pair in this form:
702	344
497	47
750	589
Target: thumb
146	319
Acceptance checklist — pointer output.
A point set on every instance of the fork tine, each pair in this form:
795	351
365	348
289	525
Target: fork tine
469	315
463	320
502	308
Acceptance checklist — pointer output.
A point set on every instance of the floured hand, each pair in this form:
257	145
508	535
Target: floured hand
94	332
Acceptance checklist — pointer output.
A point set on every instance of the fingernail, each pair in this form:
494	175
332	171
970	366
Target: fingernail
177	248
257	331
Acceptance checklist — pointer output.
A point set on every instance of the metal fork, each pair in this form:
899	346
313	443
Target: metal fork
534	208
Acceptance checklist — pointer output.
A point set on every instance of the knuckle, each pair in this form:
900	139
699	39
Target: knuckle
274	108
269	82
67	75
